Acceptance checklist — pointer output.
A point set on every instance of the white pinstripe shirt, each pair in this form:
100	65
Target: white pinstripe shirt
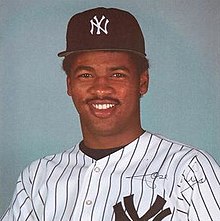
152	178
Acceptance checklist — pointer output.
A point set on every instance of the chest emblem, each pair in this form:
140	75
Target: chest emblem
156	211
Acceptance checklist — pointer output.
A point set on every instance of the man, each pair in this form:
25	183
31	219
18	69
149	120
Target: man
118	171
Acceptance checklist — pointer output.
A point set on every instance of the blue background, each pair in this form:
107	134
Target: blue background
37	118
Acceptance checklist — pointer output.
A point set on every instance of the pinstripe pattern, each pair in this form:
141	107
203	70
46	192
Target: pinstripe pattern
73	186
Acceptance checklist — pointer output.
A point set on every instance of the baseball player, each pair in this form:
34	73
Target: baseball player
119	171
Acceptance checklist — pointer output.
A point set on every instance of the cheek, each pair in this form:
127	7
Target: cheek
130	96
75	94
132	89
74	90
77	97
78	104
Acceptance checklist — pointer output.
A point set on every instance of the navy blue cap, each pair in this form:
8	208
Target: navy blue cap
104	29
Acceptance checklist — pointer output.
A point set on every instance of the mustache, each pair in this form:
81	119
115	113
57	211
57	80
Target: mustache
96	98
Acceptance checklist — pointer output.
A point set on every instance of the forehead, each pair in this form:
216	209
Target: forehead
102	58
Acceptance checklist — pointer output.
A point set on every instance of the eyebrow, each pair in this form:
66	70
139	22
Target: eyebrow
89	68
123	68
81	68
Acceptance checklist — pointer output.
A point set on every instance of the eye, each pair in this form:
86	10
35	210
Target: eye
85	75
119	75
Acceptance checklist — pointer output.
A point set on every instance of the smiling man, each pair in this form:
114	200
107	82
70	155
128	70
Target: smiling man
106	88
119	171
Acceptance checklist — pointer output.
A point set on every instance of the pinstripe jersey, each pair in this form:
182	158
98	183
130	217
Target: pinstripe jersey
152	178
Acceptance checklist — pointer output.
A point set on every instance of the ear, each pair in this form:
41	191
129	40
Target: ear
144	81
68	85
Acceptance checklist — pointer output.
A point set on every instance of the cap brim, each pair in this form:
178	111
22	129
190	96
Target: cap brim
66	53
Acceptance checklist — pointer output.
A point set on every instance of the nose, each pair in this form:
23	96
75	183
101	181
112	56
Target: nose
101	87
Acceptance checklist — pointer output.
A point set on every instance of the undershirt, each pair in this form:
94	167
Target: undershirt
97	153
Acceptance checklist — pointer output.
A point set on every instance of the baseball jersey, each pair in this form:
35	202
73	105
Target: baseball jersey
152	178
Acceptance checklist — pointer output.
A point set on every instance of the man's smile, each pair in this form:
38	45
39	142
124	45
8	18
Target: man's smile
103	106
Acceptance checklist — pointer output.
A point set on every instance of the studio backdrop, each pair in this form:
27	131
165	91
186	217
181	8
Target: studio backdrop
37	118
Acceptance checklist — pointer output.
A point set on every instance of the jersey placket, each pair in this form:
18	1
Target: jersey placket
87	197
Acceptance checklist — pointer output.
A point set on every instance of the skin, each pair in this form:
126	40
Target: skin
106	88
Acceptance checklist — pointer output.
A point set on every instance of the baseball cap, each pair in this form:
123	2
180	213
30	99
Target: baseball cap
104	29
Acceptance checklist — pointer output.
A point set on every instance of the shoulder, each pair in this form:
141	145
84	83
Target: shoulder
181	151
181	161
39	170
184	166
178	157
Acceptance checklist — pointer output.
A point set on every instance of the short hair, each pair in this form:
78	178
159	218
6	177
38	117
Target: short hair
141	62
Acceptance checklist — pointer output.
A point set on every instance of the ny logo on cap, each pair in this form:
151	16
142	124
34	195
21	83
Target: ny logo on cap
97	23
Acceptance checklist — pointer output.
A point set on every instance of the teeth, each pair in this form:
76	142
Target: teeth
103	106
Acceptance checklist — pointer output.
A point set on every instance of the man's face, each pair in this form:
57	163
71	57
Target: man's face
105	88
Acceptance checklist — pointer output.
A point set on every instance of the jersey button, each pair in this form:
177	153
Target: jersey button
88	202
97	169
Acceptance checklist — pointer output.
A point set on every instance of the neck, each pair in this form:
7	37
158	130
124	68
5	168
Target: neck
107	141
